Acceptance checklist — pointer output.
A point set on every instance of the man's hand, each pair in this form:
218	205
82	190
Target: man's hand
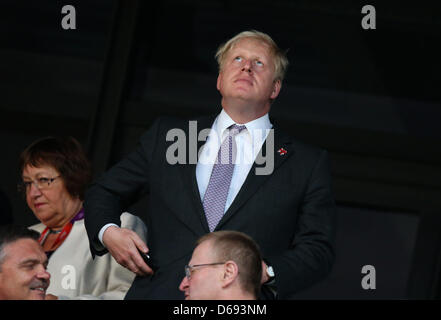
50	297
265	276
123	245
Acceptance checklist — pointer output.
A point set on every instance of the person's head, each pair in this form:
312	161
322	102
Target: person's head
55	173
251	71
224	265
23	274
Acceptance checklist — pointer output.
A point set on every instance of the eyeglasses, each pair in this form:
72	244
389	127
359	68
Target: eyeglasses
41	183
189	268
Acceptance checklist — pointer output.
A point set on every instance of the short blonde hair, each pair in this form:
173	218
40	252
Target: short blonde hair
279	56
243	250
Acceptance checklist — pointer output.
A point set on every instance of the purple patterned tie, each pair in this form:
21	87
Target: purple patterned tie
217	191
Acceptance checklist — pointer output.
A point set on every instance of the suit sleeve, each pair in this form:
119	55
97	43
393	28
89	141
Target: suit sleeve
311	255
118	188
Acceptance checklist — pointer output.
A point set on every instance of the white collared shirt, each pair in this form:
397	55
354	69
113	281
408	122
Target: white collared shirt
249	143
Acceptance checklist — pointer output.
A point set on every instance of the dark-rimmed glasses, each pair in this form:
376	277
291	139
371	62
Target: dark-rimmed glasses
189	268
41	183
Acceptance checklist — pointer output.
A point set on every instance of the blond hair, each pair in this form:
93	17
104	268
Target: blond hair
279	56
244	251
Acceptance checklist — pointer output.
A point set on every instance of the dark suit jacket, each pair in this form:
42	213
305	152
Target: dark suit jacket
289	213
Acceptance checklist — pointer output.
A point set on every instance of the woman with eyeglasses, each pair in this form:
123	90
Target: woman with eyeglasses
55	174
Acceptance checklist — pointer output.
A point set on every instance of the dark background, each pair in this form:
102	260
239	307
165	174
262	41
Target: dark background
370	97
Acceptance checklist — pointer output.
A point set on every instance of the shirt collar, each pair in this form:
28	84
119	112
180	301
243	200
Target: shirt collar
254	127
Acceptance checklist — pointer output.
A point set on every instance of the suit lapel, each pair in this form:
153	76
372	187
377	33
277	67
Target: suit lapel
282	151
188	174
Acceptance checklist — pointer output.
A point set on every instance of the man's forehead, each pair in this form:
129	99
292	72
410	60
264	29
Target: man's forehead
258	44
203	251
23	250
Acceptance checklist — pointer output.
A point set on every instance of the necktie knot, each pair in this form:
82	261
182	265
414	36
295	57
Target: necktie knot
236	129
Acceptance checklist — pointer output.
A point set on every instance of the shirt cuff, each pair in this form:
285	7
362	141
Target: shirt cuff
101	233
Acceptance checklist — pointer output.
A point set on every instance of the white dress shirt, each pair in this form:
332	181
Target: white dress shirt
248	142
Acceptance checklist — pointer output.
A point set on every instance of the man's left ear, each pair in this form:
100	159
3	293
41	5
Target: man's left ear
231	271
276	89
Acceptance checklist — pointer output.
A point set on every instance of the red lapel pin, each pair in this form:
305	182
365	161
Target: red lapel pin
282	151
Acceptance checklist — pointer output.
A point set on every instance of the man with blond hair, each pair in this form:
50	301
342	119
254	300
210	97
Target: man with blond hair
249	176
